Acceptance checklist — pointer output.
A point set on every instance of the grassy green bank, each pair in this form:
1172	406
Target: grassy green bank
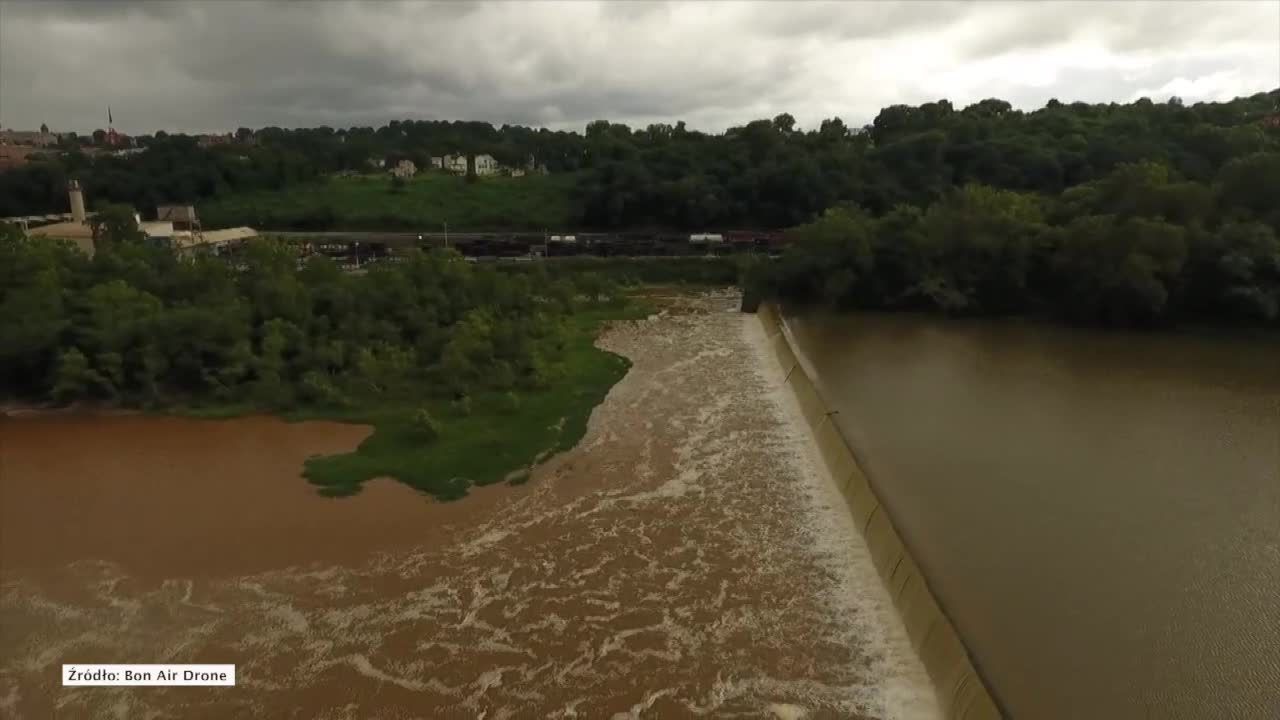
489	440
496	439
426	202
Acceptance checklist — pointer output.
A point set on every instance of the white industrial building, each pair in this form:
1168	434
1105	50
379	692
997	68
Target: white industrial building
177	227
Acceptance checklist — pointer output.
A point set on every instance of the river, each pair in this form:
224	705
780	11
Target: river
689	558
1098	511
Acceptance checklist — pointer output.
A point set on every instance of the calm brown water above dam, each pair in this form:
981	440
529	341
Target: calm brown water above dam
1099	512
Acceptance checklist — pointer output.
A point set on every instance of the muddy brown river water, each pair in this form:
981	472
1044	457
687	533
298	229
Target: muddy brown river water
689	559
1098	511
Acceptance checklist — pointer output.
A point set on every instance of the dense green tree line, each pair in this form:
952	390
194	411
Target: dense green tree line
138	325
1141	245
767	173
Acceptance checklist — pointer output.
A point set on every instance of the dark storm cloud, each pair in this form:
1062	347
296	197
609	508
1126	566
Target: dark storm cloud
218	65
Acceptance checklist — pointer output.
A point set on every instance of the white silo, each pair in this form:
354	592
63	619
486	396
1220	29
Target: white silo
77	201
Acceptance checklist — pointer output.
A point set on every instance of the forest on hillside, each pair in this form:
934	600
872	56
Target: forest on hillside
764	174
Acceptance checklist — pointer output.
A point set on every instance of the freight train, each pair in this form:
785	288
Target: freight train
370	245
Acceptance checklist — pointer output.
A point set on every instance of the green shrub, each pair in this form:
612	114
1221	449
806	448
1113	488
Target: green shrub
510	403
462	406
424	426
317	388
500	375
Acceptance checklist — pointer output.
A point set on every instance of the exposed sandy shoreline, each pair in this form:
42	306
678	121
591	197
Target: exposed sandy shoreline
690	558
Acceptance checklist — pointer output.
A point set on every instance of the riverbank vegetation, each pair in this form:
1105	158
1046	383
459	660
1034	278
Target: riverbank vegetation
502	365
1140	246
1143	214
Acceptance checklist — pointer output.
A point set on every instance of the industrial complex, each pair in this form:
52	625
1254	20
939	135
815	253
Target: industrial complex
175	226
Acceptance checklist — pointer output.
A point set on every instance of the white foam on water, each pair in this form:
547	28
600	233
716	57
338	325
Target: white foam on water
787	711
9	700
26	595
362	665
483	542
648	701
897	685
487	680
350	711
291	618
570	709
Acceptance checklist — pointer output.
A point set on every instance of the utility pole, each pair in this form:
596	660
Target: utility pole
446	234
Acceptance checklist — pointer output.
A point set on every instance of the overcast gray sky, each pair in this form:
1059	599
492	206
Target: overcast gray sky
204	66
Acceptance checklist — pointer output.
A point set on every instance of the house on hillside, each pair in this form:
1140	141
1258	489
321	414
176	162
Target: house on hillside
455	163
404	169
487	165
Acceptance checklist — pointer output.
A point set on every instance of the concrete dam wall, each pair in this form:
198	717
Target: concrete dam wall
961	691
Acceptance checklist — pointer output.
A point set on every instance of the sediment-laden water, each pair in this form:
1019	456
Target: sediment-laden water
1098	511
689	558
